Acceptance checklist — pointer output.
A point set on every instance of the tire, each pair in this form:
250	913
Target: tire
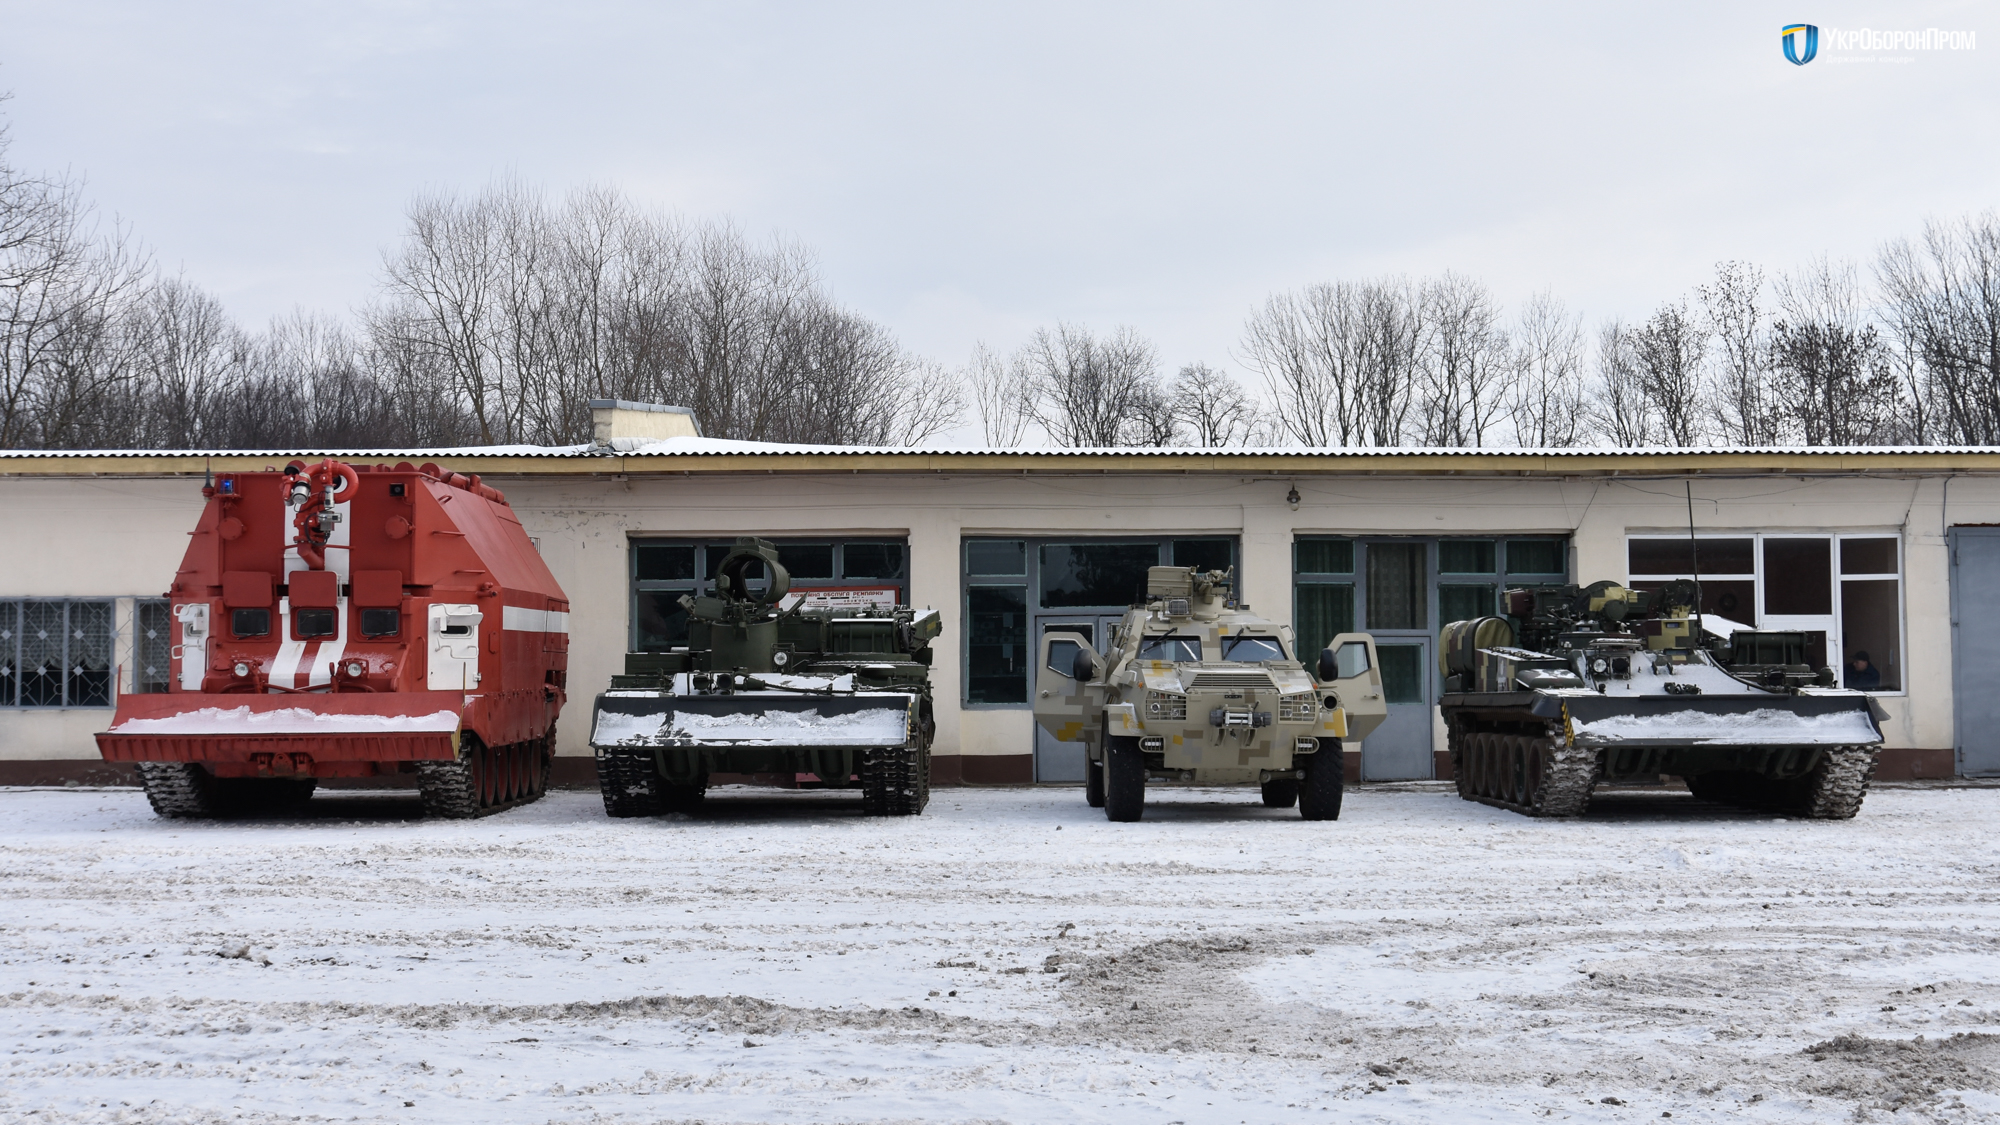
1281	792
1093	782
1325	781
1124	780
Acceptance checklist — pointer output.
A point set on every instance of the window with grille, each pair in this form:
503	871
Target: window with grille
57	653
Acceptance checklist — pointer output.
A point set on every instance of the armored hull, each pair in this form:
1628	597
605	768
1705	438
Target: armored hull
1602	699
839	697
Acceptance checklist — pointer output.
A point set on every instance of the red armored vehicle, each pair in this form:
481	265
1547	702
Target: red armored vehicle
351	621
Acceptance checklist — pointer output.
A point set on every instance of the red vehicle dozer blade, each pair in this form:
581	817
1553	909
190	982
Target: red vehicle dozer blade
340	621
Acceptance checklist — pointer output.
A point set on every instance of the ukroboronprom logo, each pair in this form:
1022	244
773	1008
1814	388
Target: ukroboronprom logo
1794	32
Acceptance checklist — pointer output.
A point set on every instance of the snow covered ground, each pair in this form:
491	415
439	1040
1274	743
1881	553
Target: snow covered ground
1010	956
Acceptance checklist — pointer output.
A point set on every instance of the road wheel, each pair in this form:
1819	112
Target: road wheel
1124	779
1326	778
1536	752
1093	781
1281	792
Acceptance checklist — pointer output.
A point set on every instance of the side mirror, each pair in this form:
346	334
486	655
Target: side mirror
1329	668
1085	668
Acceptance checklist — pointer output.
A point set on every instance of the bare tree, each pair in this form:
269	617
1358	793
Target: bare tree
999	396
1668	351
1545	399
1339	360
1088	392
1622	412
191	355
1942	301
1836	383
1214	407
1750	413
66	351
1463	363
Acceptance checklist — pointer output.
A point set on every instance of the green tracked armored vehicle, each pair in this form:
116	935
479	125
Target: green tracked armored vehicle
1197	688
1578	686
840	694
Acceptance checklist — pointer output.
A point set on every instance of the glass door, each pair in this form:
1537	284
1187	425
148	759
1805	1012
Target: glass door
1396	611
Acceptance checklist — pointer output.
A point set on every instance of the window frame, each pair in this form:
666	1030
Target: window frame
117	609
1831	624
1030	585
703	582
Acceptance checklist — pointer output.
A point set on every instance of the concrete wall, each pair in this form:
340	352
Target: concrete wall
107	537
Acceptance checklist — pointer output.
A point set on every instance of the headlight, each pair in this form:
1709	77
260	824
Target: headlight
356	668
241	668
1302	708
1165	705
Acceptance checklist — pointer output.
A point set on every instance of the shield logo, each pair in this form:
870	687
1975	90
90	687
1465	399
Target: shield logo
1802	30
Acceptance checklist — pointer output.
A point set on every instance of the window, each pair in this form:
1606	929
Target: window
665	570
56	653
152	647
1844	592
381	622
1343	585
310	623
1017	589
250	622
1252	650
1178	650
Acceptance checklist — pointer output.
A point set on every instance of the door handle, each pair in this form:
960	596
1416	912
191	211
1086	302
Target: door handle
1045	695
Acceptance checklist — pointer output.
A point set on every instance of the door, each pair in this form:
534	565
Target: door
1357	684
1058	696
1975	651
1400	749
1396	611
454	647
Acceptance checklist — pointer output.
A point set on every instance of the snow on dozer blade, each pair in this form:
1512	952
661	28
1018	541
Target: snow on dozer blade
772	687
1680	722
339	621
264	735
1611	684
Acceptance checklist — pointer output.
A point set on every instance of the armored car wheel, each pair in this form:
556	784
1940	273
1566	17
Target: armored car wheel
1124	779
1281	792
1093	782
1325	781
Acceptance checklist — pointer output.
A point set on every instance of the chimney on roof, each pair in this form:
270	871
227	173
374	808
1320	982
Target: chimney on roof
618	426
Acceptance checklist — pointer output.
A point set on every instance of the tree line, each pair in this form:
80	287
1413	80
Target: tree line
500	315
1905	353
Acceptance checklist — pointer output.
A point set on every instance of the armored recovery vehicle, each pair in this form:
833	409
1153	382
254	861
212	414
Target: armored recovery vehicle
346	621
1195	687
842	694
1602	683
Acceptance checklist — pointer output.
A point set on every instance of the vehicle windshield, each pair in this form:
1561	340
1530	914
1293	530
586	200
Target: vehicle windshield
1178	650
1252	650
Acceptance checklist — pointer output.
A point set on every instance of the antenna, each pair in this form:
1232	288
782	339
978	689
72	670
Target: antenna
1694	560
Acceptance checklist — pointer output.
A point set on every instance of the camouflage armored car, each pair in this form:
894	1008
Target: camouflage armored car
1196	688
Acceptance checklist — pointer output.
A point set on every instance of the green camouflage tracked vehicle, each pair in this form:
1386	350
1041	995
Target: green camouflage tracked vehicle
1197	688
1604	683
840	694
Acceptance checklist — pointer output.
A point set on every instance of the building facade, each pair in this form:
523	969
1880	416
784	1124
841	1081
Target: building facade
1888	553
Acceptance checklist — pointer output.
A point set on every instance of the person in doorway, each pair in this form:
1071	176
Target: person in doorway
1862	675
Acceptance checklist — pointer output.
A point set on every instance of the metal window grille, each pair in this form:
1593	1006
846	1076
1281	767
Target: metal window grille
152	657
56	653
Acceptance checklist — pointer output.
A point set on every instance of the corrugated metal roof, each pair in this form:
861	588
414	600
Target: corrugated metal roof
692	455
706	447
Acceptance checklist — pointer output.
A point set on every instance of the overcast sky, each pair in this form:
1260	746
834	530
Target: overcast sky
969	172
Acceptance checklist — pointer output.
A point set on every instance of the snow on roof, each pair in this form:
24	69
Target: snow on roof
711	447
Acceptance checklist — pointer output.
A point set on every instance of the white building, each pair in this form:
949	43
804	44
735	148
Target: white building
1895	552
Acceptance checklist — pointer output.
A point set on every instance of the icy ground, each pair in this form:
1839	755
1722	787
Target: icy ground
1010	956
